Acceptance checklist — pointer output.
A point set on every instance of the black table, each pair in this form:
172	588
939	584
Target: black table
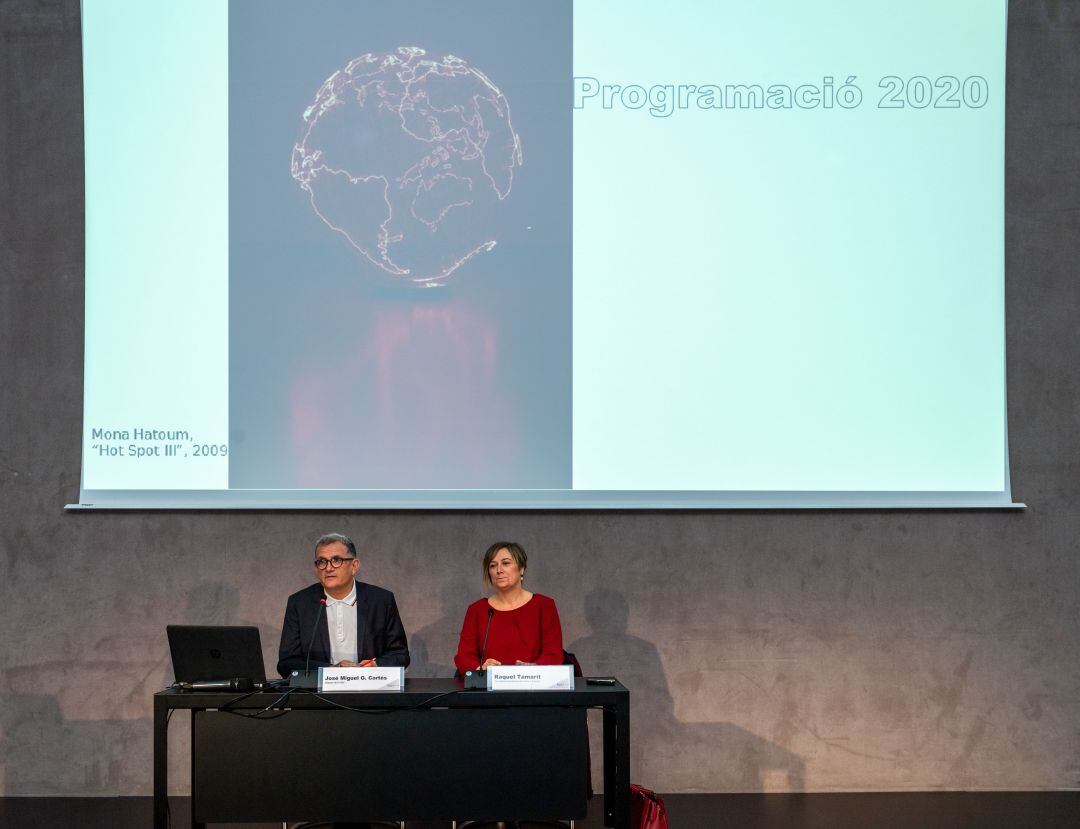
437	752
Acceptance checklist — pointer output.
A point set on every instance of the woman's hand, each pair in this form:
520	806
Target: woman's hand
488	663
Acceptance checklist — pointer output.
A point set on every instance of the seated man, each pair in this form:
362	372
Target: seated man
360	625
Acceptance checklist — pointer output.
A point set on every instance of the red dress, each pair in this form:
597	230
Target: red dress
531	633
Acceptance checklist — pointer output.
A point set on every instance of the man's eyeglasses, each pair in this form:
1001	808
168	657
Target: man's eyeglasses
332	563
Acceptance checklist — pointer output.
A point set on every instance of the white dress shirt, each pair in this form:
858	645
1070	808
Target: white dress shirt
341	624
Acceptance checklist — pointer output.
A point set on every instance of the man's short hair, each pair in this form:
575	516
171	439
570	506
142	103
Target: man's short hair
336	538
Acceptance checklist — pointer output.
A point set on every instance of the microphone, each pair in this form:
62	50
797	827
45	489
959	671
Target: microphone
314	631
235	684
477	680
487	630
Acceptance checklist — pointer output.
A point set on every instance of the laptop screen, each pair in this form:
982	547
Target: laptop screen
202	653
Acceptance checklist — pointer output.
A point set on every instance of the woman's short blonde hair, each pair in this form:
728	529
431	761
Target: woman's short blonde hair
517	552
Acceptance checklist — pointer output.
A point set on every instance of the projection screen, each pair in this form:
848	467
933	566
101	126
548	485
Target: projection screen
544	254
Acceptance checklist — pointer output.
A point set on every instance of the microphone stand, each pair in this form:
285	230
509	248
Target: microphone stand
305	680
477	680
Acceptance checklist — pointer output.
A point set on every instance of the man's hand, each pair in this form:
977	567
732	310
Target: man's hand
345	663
368	663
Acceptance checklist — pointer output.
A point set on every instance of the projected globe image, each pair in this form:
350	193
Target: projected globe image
407	159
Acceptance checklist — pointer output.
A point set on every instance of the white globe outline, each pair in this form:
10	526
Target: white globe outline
408	69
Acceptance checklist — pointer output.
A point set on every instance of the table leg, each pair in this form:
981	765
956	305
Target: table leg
161	763
609	767
622	764
194	793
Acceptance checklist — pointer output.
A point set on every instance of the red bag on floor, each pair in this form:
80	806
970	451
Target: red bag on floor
646	809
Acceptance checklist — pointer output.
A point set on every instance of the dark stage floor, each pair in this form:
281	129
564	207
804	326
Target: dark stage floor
908	810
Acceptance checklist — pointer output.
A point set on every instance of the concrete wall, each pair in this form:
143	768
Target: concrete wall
766	651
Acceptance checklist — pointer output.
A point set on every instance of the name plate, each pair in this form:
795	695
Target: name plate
530	678
361	679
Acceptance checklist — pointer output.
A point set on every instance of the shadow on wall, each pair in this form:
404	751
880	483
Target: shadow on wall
55	737
216	603
704	756
441	636
46	754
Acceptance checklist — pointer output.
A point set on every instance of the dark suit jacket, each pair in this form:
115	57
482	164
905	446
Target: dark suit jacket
379	633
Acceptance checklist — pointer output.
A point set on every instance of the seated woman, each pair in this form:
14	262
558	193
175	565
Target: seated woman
524	627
